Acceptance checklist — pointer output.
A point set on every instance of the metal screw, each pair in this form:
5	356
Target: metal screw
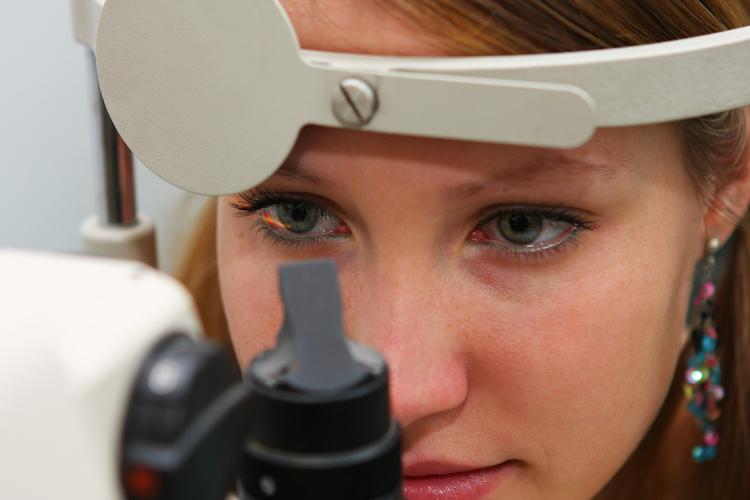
355	102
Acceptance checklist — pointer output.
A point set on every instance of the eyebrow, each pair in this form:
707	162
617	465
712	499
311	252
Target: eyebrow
293	171
521	173
533	171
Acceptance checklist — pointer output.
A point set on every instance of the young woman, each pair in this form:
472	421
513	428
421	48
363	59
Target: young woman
530	302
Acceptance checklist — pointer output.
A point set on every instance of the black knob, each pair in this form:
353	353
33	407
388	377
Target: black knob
322	427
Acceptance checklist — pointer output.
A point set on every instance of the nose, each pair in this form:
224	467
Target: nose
407	316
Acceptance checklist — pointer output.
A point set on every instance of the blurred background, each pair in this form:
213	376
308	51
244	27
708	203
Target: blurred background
49	139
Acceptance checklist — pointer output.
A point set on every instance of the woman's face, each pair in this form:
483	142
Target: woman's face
529	301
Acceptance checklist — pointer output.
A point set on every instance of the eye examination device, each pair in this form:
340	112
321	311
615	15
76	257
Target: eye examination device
121	397
211	95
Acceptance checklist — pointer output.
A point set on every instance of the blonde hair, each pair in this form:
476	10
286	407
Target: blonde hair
714	147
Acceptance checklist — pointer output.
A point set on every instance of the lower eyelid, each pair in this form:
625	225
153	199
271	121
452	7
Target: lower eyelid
540	254
519	252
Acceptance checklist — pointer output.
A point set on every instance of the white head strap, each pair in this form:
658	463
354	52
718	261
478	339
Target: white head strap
211	94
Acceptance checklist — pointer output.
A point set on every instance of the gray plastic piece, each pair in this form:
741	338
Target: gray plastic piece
312	354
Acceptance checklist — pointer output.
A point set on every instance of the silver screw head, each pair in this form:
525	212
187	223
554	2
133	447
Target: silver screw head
355	102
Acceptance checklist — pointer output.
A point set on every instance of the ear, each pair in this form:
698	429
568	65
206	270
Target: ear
730	205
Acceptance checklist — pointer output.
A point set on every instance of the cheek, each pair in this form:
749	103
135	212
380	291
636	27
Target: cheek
580	379
249	290
253	311
584	362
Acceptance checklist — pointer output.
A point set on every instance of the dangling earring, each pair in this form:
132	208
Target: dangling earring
703	388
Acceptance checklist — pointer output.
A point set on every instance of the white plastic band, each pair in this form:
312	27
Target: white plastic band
638	85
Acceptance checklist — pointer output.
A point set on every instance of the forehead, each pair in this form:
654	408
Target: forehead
358	26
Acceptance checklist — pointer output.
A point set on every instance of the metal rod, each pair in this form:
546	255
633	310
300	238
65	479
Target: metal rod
117	204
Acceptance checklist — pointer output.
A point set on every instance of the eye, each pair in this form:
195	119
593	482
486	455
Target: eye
297	219
290	218
528	229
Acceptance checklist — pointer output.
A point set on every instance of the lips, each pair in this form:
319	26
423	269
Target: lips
431	481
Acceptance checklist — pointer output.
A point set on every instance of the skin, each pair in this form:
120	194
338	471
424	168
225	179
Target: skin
559	360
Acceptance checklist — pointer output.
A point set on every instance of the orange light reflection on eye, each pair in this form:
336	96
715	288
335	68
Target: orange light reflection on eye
277	224
271	221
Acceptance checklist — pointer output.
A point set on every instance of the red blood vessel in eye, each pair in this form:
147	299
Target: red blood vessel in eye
478	235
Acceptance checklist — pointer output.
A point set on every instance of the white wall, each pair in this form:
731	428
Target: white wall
49	138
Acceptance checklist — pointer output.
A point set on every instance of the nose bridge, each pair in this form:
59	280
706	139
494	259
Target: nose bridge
403	303
404	312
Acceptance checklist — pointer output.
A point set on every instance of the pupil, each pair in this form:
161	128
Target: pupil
521	229
299	213
519	223
297	217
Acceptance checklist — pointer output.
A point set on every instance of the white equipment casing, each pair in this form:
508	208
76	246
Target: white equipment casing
136	242
76	331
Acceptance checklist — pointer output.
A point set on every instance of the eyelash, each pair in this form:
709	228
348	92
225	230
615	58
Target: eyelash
258	199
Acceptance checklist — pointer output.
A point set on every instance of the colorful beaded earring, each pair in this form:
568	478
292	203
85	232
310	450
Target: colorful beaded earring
703	388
